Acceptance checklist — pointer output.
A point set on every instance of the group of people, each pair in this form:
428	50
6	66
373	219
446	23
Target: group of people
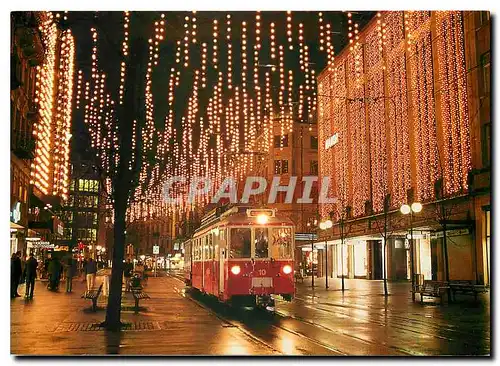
18	275
55	268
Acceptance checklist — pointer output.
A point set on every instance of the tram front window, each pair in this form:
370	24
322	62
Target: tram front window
282	243
240	245
261	243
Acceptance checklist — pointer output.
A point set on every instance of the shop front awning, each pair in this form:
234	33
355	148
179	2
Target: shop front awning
16	226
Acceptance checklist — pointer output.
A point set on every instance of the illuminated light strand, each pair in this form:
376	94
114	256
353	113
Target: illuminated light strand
289	29
422	97
321	37
229	53
357	138
453	101
376	116
215	45
398	109
63	115
45	85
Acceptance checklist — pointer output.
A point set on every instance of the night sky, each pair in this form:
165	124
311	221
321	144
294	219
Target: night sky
110	30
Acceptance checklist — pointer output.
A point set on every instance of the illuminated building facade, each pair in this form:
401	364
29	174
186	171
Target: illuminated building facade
84	213
42	57
407	106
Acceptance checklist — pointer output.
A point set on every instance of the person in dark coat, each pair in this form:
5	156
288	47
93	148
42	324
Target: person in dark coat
30	275
54	273
90	273
15	274
70	269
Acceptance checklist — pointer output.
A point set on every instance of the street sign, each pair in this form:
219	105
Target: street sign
156	249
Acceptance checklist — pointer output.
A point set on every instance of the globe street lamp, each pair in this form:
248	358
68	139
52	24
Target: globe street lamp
325	225
406	209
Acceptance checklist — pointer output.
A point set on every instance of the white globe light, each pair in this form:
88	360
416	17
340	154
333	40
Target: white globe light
329	224
416	207
405	209
322	225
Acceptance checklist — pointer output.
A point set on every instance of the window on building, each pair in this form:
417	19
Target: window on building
484	17
314	142
313	169
486	144
281	141
486	71
280	166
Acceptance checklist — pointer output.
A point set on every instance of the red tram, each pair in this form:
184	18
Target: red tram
242	256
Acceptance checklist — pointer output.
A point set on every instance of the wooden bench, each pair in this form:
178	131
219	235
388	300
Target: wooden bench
138	295
431	289
93	295
466	288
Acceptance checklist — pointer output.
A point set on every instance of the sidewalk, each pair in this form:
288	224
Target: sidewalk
56	323
393	323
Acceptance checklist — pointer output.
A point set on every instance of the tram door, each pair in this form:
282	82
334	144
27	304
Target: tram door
222	261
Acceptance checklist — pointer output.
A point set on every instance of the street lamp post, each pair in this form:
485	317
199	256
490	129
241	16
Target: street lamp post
406	209
325	225
315	222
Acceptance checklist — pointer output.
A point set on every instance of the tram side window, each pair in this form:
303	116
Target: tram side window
198	250
211	246
261	243
195	250
240	245
282	243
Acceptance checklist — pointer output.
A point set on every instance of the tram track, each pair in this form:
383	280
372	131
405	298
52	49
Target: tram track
398	321
248	332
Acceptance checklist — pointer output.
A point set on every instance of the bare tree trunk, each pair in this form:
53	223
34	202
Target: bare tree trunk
113	310
126	179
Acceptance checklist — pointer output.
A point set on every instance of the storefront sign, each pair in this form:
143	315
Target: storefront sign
15	214
40	245
331	141
305	236
457	232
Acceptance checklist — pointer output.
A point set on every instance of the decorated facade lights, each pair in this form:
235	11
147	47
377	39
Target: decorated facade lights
44	90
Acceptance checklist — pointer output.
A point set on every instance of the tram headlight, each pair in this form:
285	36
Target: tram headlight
235	269
262	219
287	269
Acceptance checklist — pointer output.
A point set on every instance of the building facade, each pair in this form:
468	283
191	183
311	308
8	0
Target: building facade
84	212
404	117
42	57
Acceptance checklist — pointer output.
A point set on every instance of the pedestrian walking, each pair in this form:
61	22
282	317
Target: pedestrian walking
127	273
15	274
30	275
54	273
70	270
90	272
